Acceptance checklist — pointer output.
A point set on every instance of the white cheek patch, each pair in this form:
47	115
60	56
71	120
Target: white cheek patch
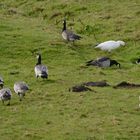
64	35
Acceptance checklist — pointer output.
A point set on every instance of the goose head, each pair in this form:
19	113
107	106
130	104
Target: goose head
114	62
64	25
122	43
38	56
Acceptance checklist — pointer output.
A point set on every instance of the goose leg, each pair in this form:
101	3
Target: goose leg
20	97
3	102
73	43
8	103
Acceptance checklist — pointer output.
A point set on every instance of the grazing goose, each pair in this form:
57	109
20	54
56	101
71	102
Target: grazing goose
69	35
21	88
103	62
1	82
41	70
5	95
110	45
138	61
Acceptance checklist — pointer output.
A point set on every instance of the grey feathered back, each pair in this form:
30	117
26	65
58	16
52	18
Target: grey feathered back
101	62
20	87
69	35
5	95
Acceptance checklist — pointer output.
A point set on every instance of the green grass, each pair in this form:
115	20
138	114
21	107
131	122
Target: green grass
50	111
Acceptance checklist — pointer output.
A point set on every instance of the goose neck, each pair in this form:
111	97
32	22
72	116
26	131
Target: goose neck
39	60
64	26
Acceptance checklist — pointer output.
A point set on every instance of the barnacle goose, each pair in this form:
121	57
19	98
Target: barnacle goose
21	88
103	62
5	95
69	35
40	70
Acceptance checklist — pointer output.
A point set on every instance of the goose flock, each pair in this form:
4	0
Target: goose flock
41	70
22	87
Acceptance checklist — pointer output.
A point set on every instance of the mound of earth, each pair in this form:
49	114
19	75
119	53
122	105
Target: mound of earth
125	84
79	88
97	84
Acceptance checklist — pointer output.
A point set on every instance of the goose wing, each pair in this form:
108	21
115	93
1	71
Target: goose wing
104	62
41	69
23	86
106	44
72	36
20	87
100	62
93	62
102	59
5	91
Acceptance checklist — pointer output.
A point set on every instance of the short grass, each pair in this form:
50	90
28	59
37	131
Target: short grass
50	111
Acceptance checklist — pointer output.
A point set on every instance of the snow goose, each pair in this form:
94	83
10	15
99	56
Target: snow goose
21	88
103	62
5	95
69	35
40	70
110	45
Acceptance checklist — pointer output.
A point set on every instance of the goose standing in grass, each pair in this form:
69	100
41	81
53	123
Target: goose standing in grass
21	88
69	35
40	70
1	82
5	95
103	62
110	45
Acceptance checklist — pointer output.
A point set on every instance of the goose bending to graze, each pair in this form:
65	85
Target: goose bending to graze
5	95
110	45
103	62
40	70
138	61
21	88
1	82
69	35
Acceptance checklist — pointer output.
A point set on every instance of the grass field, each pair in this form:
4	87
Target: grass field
50	111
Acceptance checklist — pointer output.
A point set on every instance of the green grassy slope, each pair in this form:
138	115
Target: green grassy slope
49	110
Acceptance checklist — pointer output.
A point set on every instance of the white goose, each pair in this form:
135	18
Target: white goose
40	70
110	45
